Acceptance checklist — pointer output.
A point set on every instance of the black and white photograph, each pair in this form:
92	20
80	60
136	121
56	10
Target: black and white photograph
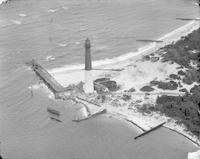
99	79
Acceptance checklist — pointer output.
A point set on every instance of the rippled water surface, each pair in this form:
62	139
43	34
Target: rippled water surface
53	33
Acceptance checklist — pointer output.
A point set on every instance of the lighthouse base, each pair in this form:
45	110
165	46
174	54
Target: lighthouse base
89	85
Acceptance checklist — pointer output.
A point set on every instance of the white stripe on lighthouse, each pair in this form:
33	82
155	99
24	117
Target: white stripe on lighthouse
89	86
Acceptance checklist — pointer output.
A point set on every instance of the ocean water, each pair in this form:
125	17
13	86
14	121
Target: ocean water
53	33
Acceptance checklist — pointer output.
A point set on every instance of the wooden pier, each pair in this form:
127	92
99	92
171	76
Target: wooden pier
48	79
149	40
188	19
148	131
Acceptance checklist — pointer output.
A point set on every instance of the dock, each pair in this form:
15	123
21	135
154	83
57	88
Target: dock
148	131
188	19
149	40
48	79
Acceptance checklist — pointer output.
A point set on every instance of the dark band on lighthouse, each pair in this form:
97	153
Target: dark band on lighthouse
88	62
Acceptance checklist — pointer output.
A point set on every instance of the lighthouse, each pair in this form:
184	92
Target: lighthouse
89	86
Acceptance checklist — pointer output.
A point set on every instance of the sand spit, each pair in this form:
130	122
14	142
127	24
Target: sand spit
137	74
147	121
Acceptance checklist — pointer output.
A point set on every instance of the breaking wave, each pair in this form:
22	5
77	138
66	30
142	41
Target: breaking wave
50	58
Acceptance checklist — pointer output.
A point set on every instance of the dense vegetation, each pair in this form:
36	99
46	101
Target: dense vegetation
186	109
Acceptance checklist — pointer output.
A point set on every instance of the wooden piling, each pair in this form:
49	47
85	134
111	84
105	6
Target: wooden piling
188	19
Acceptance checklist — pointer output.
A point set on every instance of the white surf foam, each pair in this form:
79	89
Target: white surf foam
50	58
17	22
52	10
4	23
62	44
77	43
82	29
100	47
167	39
22	15
42	87
65	8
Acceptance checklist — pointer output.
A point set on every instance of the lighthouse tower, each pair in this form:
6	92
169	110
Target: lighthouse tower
89	86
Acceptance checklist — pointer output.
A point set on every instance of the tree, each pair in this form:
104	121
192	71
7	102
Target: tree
198	61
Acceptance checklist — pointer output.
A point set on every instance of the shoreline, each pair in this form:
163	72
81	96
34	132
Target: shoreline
28	125
76	71
181	129
148	121
167	39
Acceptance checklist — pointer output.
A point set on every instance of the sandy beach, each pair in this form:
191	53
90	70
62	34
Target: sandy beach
139	70
144	74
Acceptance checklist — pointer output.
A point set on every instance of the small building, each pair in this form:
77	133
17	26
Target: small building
81	111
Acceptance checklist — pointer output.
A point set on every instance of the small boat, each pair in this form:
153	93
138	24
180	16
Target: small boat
101	111
52	118
53	111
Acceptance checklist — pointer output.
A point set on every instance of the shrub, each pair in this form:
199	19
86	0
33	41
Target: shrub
183	90
174	76
154	83
146	58
168	85
106	82
184	109
126	97
181	73
131	90
147	89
